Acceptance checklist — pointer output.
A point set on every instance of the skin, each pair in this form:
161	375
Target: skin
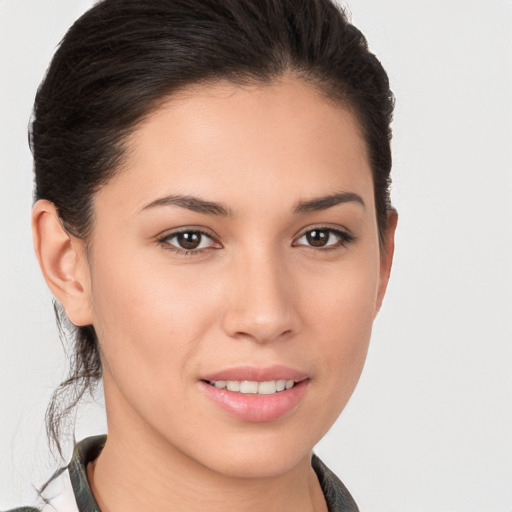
256	293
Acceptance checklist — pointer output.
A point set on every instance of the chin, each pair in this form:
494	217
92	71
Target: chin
257	456
260	464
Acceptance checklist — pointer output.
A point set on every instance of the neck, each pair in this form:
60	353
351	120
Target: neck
126	477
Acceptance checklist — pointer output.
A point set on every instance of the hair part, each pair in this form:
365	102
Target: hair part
123	58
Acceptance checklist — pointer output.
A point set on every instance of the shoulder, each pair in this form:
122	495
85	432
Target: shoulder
336	495
68	489
56	495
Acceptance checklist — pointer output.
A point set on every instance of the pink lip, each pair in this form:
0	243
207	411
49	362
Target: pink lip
275	372
253	407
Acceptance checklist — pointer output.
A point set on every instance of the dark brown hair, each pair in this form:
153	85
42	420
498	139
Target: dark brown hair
123	58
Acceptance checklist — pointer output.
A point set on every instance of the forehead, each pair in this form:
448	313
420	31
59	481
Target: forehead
279	139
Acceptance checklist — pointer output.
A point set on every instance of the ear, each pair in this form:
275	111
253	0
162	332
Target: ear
63	261
386	257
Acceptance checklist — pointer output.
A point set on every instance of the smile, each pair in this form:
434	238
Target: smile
268	387
256	395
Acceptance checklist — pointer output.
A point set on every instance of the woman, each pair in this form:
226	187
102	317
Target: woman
212	213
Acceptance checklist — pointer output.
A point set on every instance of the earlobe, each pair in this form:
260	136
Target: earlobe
63	263
386	259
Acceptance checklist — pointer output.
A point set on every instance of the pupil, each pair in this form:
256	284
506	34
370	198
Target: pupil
189	240
317	237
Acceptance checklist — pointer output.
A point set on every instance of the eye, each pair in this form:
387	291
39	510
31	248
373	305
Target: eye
190	240
324	238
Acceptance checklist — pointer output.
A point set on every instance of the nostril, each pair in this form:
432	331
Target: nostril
263	335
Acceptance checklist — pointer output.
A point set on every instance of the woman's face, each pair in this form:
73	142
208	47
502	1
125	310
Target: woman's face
237	245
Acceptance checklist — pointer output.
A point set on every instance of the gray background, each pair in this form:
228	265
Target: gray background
430	426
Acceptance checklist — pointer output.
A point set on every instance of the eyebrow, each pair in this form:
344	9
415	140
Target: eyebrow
191	203
211	208
325	202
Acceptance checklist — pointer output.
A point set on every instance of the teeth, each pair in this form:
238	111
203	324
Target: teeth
254	387
267	388
280	385
248	386
233	385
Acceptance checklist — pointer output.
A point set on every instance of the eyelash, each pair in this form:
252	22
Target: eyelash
344	239
165	242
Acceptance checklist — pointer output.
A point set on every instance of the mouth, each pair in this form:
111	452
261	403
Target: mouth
254	387
256	394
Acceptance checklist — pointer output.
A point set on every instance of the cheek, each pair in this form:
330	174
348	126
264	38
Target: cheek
148	317
340	317
344	299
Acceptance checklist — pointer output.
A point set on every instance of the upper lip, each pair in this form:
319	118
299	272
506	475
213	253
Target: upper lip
255	373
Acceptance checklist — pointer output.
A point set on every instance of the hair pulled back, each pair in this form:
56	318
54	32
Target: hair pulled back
123	58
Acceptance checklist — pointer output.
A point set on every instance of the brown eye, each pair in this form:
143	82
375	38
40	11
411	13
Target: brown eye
324	238
189	241
318	237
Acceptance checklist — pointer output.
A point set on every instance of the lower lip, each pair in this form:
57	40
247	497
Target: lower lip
257	408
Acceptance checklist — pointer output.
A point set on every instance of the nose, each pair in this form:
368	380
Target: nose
261	305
